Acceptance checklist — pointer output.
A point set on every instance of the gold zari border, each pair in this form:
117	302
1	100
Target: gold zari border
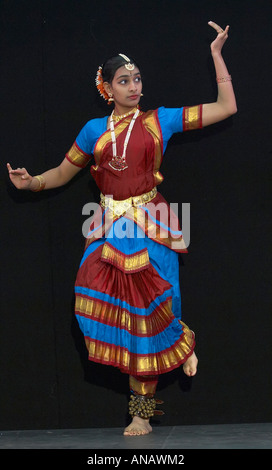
76	157
143	387
126	263
192	117
152	126
115	316
135	364
105	138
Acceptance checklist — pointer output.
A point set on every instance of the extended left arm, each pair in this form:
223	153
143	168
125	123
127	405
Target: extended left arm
225	105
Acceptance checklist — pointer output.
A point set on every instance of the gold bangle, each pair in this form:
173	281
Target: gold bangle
224	79
41	186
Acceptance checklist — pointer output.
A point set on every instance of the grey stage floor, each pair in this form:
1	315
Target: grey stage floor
219	436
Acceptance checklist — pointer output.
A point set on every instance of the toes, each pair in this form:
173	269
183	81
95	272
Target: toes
130	432
190	366
190	372
135	432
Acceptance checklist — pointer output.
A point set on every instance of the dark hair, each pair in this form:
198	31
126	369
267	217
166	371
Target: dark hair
112	64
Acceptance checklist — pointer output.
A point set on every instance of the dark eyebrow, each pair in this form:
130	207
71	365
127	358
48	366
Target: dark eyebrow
128	75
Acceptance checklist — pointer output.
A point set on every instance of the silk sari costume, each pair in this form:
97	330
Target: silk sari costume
127	292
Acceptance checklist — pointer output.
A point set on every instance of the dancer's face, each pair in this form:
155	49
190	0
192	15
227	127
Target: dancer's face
126	88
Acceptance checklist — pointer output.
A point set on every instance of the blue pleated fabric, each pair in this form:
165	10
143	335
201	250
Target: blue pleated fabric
132	321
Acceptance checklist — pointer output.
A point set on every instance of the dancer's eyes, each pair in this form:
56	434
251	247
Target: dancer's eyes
124	81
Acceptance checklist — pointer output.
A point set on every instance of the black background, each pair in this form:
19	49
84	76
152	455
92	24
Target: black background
50	51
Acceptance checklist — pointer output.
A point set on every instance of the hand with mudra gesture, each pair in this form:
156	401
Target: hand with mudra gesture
222	36
53	178
19	177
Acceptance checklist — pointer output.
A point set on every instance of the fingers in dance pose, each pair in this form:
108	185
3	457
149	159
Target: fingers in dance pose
19	177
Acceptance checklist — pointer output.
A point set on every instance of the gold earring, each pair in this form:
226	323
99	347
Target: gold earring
141	94
110	97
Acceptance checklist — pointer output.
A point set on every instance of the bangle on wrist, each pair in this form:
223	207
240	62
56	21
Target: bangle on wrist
227	78
41	181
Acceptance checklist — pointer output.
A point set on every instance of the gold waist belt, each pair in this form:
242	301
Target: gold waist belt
119	207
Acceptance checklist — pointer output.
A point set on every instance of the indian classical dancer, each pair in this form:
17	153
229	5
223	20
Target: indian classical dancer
127	291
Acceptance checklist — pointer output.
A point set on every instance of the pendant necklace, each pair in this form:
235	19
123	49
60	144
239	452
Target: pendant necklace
119	163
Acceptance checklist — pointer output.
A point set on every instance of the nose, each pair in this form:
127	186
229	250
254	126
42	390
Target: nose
132	85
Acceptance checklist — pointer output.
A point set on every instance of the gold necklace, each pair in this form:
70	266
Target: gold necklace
119	163
122	116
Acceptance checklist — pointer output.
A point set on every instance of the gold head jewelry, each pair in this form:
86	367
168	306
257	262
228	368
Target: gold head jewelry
129	66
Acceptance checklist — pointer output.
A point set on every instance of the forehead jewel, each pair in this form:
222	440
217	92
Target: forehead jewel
129	65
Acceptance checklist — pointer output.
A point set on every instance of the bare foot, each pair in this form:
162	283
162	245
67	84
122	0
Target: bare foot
138	427
190	366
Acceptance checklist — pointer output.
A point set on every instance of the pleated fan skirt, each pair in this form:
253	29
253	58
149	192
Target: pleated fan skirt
128	304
